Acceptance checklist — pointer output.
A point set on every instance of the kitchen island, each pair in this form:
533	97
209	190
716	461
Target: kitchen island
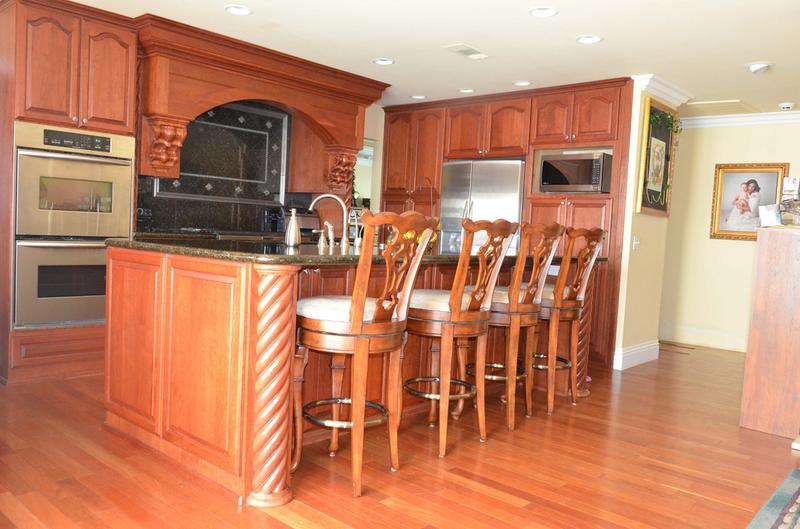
200	342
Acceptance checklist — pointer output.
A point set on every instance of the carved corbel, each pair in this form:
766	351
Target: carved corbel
167	135
341	161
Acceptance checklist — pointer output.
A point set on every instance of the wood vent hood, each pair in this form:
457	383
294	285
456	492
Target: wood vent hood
185	71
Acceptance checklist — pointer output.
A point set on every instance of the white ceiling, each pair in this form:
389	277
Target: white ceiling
701	46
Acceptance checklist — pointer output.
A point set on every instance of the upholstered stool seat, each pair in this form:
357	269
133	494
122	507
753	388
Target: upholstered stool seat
359	326
436	300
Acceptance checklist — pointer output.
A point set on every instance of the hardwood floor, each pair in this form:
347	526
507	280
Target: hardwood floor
657	446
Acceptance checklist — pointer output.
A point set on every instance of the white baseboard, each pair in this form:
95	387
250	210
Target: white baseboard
705	337
633	355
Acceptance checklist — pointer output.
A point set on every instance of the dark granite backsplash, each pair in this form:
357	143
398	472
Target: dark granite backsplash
233	170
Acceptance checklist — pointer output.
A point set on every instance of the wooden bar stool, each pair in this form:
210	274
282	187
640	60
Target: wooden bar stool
359	326
459	314
516	307
565	302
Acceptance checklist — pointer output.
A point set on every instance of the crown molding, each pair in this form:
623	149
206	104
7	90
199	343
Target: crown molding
665	92
741	120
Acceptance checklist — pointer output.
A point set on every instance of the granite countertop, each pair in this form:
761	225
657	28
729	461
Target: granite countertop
263	252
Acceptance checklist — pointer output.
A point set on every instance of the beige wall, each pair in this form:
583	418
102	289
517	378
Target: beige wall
707	283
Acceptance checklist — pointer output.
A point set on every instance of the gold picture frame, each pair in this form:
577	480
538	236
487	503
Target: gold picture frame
657	161
734	213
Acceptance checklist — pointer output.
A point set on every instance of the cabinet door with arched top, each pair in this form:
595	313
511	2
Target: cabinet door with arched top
509	124
551	118
47	65
465	131
595	114
108	77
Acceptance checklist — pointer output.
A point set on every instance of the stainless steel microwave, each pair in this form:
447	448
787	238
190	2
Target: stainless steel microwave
574	172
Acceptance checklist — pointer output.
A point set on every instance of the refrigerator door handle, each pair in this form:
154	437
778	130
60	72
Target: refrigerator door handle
467	209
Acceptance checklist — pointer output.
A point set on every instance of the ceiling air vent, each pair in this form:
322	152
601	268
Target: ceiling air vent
467	51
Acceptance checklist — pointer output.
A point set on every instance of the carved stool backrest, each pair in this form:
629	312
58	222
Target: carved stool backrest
537	242
489	260
572	287
409	235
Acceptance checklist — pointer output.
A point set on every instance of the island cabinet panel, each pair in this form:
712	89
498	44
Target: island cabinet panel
204	349
108	77
48	49
466	128
133	362
75	71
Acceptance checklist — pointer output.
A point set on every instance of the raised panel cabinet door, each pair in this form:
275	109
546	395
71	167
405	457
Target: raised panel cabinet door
47	61
595	114
509	124
334	281
397	153
427	146
466	131
551	118
204	351
591	213
134	314
546	209
108	77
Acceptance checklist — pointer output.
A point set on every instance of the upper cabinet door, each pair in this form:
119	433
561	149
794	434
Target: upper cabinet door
596	114
427	144
509	123
466	134
397	152
551	118
47	62
108	77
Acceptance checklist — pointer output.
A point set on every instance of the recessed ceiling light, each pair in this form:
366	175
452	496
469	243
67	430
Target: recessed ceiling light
418	97
238	10
786	106
588	39
522	83
383	61
542	11
467	90
758	66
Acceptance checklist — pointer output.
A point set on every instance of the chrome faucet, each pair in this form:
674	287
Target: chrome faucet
345	243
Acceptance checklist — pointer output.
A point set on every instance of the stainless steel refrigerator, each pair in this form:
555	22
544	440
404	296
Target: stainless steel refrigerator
480	190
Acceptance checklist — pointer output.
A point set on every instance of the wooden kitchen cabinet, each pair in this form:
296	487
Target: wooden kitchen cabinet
499	128
575	117
397	153
573	211
75	71
203	354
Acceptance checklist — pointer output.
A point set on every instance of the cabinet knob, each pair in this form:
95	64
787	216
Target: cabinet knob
566	136
573	137
75	119
84	121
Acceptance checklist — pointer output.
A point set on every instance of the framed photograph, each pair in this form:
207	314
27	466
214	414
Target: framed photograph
739	189
658	158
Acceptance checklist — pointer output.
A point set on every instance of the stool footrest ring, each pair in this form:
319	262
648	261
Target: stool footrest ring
472	388
494	378
561	362
330	423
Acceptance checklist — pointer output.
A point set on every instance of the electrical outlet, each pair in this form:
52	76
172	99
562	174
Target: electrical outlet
636	243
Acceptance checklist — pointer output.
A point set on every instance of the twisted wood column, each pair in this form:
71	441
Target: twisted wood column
273	343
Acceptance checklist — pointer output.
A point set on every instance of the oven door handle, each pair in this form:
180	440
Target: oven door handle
74	157
61	244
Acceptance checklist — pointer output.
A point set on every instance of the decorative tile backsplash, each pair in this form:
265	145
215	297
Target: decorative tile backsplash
233	169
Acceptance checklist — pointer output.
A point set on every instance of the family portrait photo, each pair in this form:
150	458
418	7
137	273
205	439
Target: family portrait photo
739	190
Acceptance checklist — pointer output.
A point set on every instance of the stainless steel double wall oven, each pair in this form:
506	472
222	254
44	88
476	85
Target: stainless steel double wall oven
73	190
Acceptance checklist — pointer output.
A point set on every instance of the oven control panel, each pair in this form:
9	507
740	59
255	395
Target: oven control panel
73	140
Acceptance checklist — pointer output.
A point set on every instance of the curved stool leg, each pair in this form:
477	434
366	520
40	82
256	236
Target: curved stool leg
358	396
512	351
552	351
462	348
394	404
531	339
298	370
337	375
435	355
480	382
445	366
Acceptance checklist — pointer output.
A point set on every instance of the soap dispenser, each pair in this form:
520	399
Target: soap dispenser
293	230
